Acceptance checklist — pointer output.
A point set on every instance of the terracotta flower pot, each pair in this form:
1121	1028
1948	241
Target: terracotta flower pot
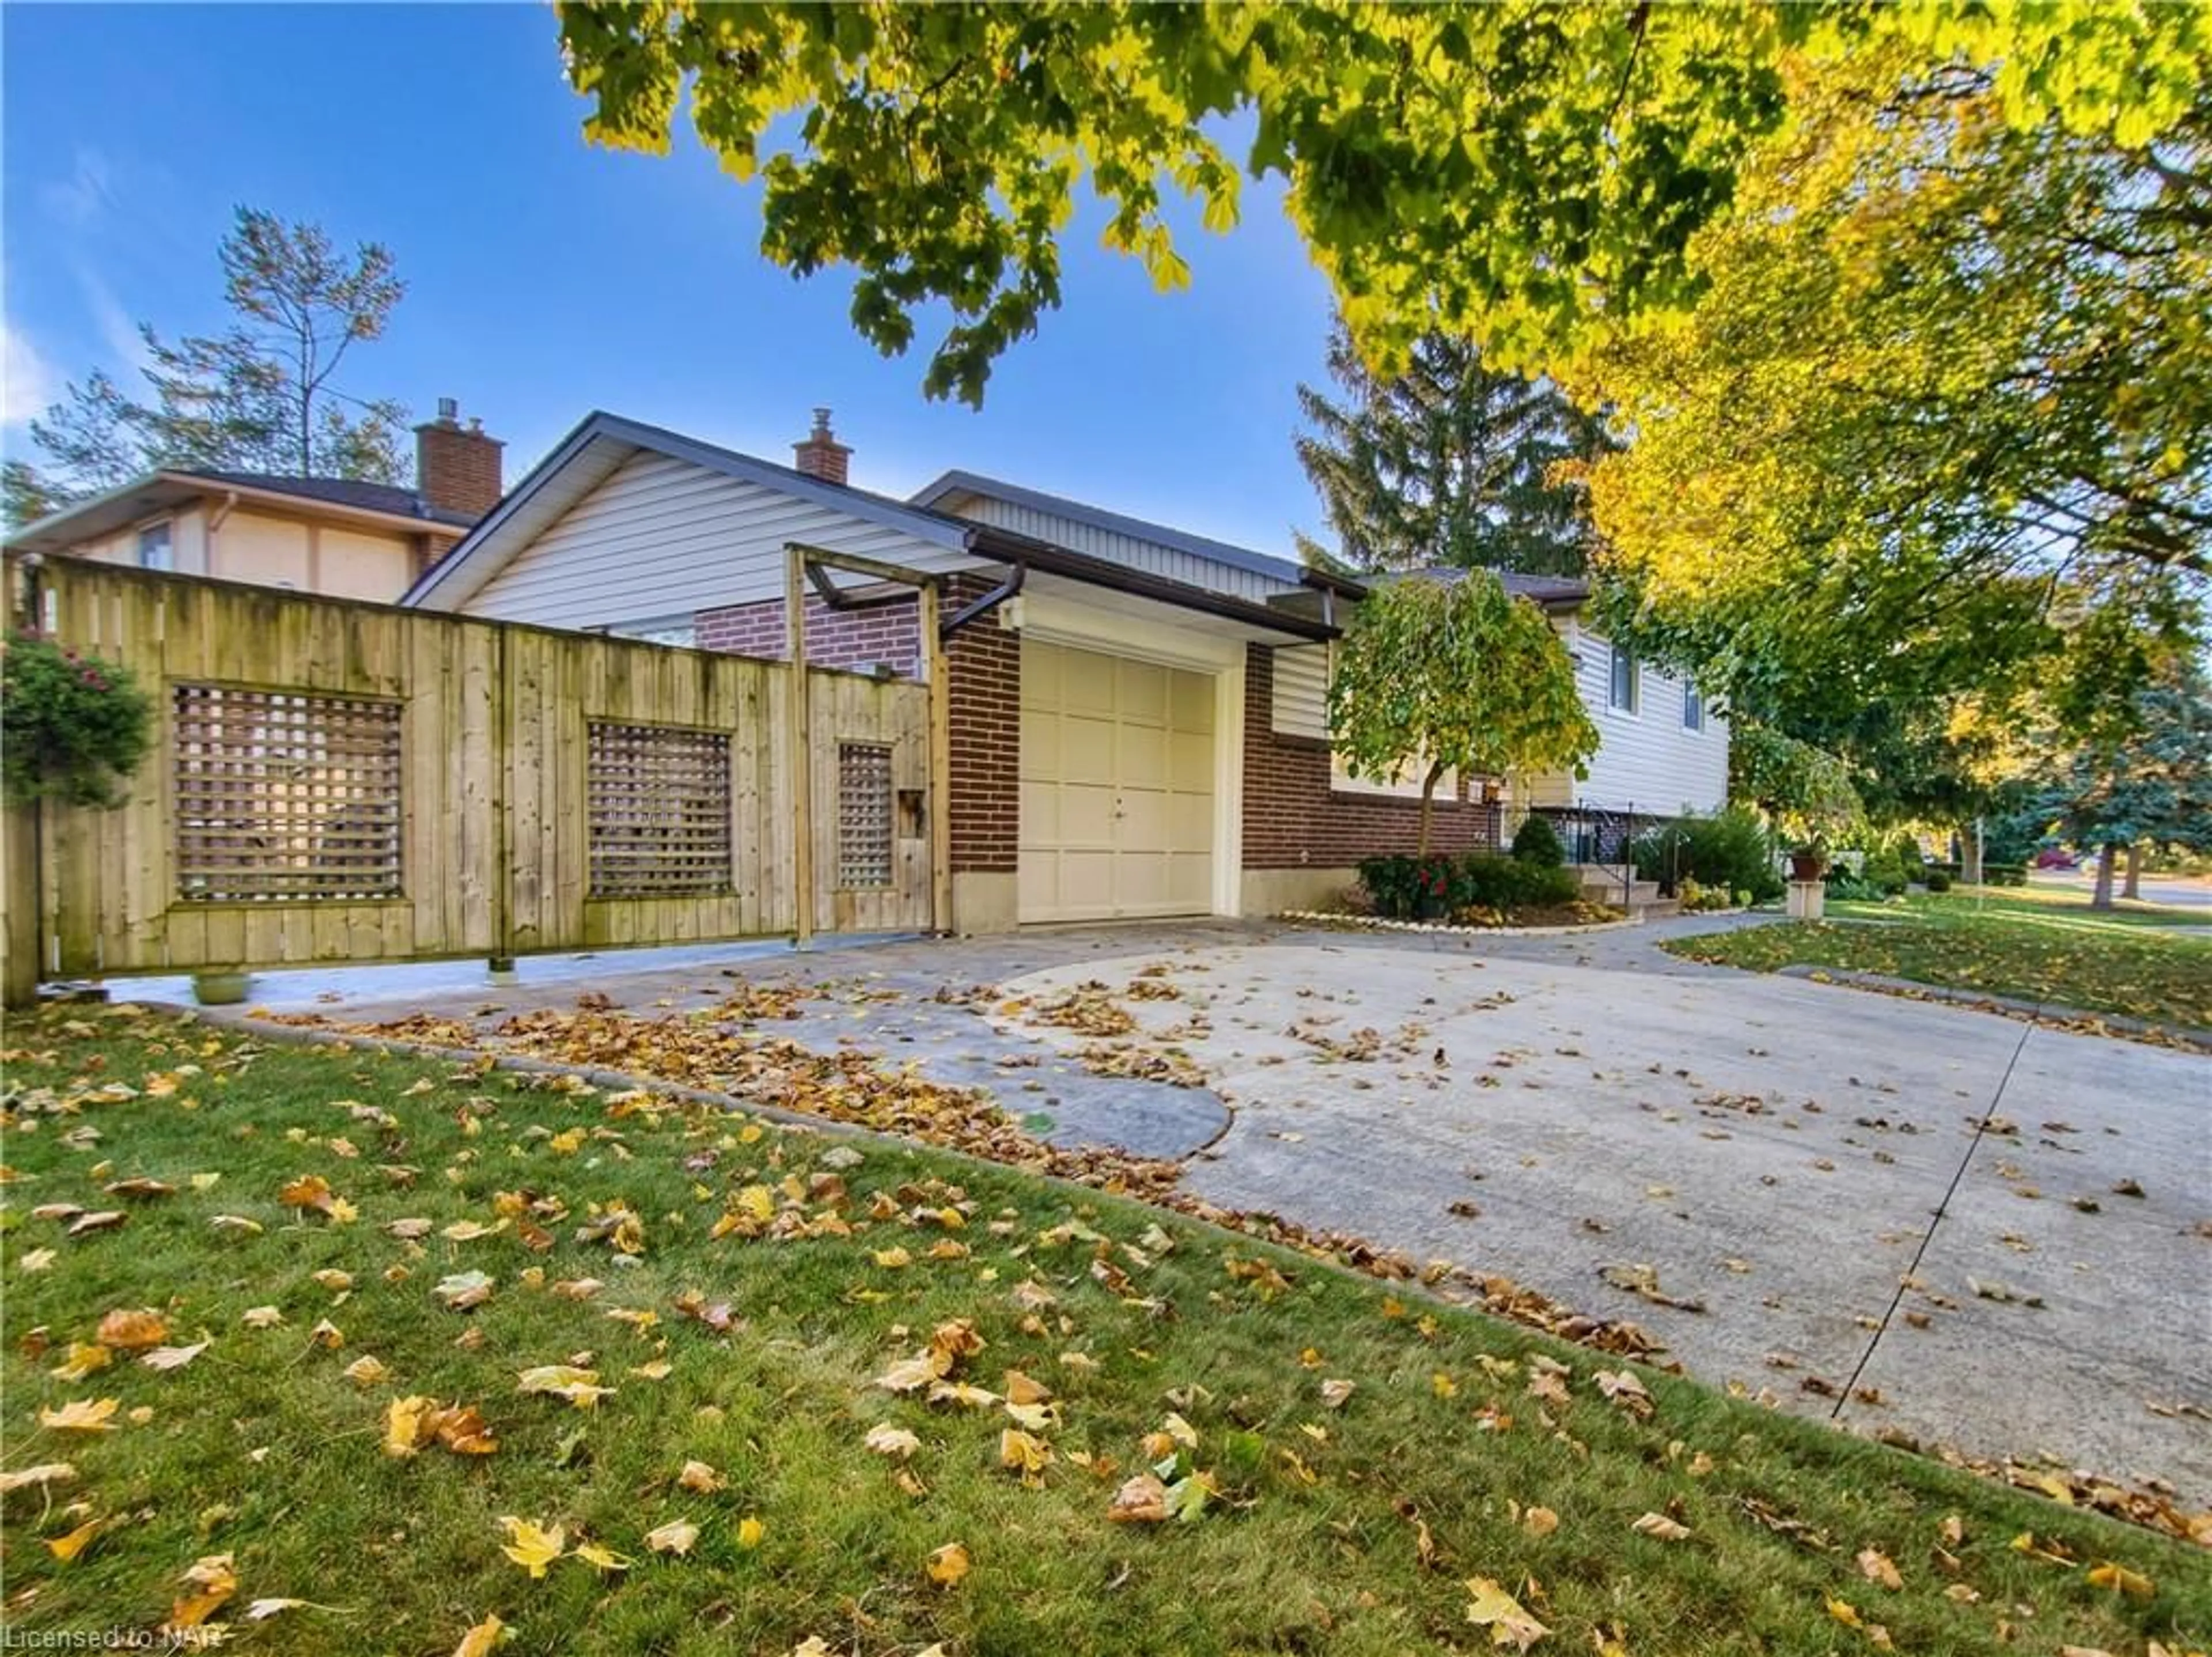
1807	865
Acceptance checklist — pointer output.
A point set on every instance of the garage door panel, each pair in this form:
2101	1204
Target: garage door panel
1191	703
1190	823
1118	773
1039	743
1086	681
1086	749
1144	694
1190	763
1087	816
1190	882
1144	757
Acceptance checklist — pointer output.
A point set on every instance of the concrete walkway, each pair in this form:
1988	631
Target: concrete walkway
1619	1129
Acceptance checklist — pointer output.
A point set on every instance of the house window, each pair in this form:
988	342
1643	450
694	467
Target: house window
658	800
285	795
864	814
662	630
1624	680
153	549
1694	709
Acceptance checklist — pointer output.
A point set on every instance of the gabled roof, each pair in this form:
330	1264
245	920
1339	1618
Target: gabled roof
141	497
601	442
958	483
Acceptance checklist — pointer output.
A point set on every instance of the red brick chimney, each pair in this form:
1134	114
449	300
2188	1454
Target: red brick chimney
822	455
456	466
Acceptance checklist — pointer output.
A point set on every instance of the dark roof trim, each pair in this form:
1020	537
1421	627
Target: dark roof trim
1199	546
390	498
936	527
1004	546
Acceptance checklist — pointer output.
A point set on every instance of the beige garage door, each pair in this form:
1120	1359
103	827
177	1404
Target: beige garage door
1117	787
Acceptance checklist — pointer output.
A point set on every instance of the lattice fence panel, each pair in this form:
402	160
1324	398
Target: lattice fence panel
285	797
864	814
659	803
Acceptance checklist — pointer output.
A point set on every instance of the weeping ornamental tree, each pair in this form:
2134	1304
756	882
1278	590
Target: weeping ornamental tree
1437	676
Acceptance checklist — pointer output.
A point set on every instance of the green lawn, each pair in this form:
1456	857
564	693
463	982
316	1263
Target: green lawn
2037	946
1354	1472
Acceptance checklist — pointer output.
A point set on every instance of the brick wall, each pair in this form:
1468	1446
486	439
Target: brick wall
1294	819
984	676
857	639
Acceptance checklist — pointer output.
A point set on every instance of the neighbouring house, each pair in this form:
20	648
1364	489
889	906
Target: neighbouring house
333	536
1136	711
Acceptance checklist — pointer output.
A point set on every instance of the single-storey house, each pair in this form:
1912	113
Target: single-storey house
1137	712
338	537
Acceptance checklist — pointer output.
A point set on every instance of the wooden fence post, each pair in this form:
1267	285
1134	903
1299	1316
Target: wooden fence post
940	763
799	776
19	899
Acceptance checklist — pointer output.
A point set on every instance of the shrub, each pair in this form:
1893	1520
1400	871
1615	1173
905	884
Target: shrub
1494	882
1938	879
2004	874
1847	887
1402	887
1537	841
1696	897
72	727
1881	868
1731	851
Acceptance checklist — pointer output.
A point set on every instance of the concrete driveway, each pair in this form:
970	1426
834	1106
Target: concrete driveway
1614	1127
1768	1151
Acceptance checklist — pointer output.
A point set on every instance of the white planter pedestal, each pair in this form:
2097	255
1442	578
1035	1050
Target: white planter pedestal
1808	900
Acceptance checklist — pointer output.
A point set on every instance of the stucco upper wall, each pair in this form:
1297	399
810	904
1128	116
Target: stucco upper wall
1646	760
275	549
188	543
661	537
1129	551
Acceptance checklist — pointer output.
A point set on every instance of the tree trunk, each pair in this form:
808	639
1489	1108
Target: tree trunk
1428	803
2103	900
2134	888
1970	856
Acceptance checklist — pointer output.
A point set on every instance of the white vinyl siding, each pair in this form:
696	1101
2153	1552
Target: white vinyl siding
1301	708
1128	551
1655	766
667	537
1301	695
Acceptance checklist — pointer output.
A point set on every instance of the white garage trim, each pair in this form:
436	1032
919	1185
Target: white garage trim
1054	620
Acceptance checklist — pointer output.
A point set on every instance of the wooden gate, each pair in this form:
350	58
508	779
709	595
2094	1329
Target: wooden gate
334	780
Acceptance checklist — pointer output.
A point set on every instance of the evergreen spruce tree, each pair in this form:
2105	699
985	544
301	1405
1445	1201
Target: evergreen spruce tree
1451	462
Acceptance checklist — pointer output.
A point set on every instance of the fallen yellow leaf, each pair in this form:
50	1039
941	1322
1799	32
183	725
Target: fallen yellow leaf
533	1547
1491	1606
66	1548
948	1565
82	1415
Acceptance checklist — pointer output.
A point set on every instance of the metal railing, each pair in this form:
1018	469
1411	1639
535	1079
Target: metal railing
1605	837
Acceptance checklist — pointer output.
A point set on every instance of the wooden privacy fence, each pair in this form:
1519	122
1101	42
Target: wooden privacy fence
332	781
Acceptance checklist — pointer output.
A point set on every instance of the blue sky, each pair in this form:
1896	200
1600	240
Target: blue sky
548	277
